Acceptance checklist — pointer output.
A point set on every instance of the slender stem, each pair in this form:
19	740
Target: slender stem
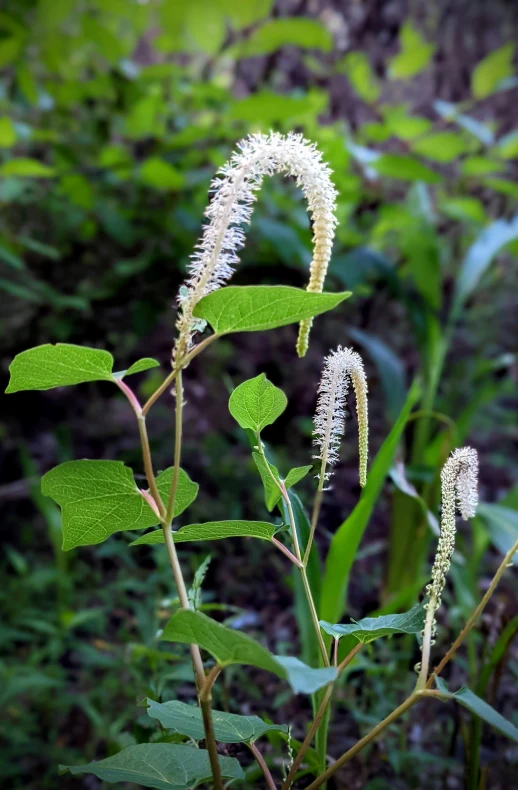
349	657
293	527
314	616
177	447
148	465
287	552
427	642
306	743
411	700
314	518
199	671
144	441
506	562
158	392
270	784
206	691
172	375
318	718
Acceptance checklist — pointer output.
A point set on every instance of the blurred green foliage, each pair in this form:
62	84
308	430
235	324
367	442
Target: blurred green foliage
114	117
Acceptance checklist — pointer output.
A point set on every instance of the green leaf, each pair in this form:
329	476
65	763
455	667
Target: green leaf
504	187
415	54
228	727
48	366
245	14
213	530
502	525
99	498
9	49
371	628
228	647
358	69
7	132
160	765
491	71
186	491
507	147
25	167
297	474
288	31
272	493
489	242
480	166
464	208
406	168
257	403
157	173
257	307
465	697
440	147
63	364
346	540
146	363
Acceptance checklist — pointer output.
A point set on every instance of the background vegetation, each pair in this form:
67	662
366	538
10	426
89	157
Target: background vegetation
114	116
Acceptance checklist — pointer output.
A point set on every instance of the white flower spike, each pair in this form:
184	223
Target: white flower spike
459	486
340	367
235	189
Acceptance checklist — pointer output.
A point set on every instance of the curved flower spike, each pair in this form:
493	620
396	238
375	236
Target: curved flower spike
340	366
235	190
459	486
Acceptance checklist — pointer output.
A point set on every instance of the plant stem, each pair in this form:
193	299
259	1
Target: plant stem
318	718
166	521
476	612
144	441
314	518
270	784
293	527
306	743
177	447
427	643
172	375
411	700
286	552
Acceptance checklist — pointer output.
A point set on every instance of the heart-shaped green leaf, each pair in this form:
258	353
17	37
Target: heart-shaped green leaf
212	530
255	307
63	364
371	628
257	403
233	647
160	765
228	727
465	697
99	498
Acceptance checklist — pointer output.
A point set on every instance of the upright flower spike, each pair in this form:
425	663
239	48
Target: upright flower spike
459	488
340	367
234	193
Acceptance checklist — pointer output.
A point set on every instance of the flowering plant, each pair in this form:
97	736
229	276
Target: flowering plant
99	498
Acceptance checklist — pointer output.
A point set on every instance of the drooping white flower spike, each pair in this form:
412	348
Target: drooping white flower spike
340	367
234	193
459	487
